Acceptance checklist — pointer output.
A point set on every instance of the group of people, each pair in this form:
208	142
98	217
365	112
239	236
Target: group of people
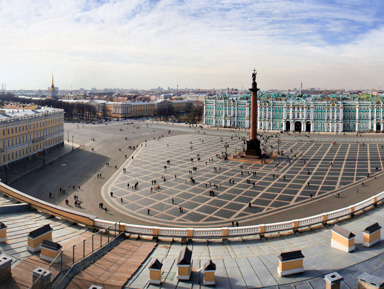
101	206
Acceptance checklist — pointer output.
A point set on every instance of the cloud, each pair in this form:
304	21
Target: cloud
199	43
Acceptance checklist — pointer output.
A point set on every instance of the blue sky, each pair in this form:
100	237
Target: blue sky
195	44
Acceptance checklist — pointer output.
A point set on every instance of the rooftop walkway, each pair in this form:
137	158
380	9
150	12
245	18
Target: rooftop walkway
252	262
116	267
24	262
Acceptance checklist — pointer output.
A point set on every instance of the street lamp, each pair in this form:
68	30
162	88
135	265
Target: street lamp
44	155
278	146
72	142
6	173
68	135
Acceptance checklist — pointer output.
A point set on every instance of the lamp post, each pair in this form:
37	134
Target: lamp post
72	142
44	155
278	146
6	173
68	135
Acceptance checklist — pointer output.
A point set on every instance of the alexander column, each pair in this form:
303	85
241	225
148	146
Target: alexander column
253	144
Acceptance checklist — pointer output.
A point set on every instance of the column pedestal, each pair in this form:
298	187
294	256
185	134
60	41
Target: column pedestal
253	148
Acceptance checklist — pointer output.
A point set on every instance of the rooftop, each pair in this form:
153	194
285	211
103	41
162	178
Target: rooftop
16	114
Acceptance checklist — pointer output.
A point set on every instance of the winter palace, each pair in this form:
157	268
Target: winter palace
296	113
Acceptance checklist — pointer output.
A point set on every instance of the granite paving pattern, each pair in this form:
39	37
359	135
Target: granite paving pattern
190	172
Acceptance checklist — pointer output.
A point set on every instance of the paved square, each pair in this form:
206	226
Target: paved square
184	179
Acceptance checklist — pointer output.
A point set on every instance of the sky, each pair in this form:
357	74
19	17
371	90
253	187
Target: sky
203	44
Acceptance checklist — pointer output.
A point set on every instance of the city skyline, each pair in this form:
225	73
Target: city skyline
147	44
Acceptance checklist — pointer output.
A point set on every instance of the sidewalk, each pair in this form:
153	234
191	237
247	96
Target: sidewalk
23	167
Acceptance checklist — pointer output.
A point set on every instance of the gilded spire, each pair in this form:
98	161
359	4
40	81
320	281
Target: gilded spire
53	85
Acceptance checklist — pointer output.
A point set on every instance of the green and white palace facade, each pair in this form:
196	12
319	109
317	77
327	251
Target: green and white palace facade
296	113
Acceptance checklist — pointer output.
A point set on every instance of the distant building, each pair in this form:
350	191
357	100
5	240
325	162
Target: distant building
296	113
142	109
53	91
118	109
25	133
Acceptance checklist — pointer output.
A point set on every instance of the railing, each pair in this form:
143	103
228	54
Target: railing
46	207
79	255
65	277
201	233
190	233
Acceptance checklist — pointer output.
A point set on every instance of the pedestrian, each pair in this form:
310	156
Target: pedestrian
308	184
250	205
111	193
105	209
149	211
310	196
237	224
50	195
173	201
357	191
66	202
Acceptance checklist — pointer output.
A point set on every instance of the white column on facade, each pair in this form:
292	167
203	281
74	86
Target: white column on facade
331	118
370	117
223	113
300	111
381	117
341	118
357	118
284	112
305	112
214	112
335	118
312	126
291	112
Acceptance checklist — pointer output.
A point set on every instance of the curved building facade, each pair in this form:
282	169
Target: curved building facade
296	114
25	133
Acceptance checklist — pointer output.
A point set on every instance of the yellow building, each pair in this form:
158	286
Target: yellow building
142	109
118	109
25	133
